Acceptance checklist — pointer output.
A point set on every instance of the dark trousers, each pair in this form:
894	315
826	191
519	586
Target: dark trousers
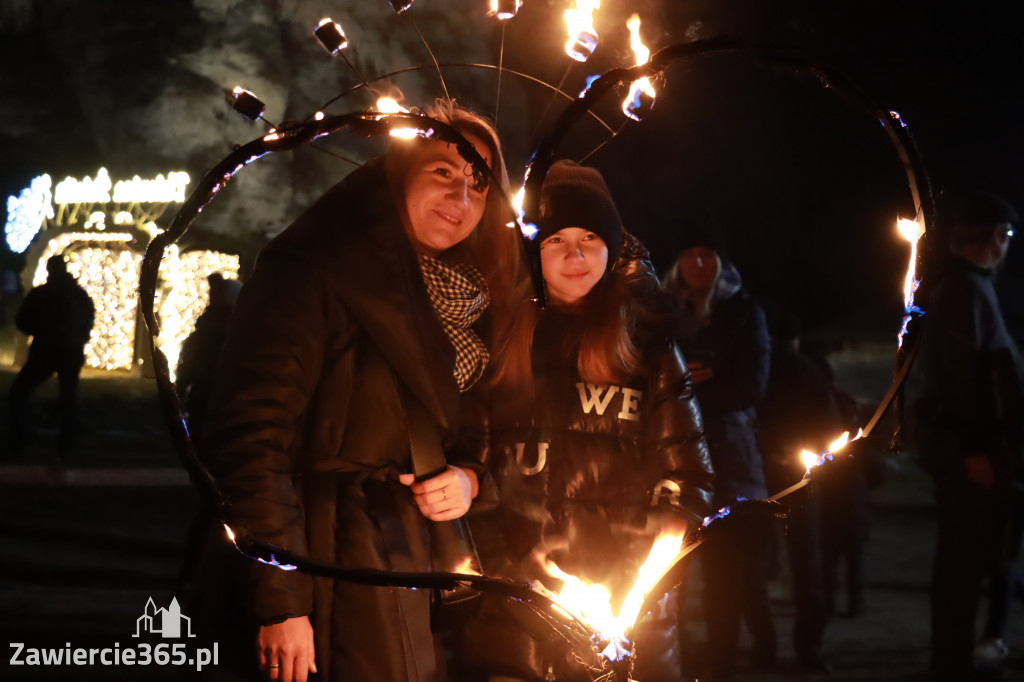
1003	575
38	368
736	565
805	566
968	518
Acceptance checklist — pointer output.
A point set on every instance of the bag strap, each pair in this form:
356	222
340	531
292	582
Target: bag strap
424	439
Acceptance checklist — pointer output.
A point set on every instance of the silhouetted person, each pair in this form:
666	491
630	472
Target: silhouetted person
199	352
965	409
724	338
799	413
58	316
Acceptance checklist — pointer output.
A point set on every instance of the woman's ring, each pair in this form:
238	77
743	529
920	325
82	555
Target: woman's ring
273	665
444	495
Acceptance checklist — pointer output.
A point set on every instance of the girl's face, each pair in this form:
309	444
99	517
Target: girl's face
442	202
573	260
699	267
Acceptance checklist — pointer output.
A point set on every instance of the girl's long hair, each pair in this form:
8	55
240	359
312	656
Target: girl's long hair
493	247
607	349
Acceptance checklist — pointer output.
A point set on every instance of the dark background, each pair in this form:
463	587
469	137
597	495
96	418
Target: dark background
807	187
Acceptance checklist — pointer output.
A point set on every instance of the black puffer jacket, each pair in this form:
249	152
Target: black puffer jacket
588	468
306	432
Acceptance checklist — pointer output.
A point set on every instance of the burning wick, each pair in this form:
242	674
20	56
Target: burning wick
331	36
592	603
640	100
579	21
246	103
911	230
505	9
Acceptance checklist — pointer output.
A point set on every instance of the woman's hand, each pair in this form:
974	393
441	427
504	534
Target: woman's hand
286	650
446	496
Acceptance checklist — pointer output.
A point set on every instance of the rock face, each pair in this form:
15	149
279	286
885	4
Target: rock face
139	87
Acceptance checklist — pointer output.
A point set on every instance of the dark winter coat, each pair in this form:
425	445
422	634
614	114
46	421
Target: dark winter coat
306	430
599	466
735	344
964	395
58	315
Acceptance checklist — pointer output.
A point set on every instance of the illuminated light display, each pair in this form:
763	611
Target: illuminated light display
186	293
331	36
26	213
505	9
102	228
85	191
158	190
579	21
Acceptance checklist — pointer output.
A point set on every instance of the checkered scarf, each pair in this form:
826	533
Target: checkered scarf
459	295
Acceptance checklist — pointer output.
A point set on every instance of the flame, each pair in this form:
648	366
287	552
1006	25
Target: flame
319	116
529	230
505	10
812	460
465	567
579	22
912	231
592	603
641	87
389	105
231	533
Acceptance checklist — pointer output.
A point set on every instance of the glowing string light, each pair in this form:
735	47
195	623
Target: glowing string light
85	191
26	213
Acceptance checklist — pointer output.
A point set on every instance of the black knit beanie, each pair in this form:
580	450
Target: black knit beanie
577	196
699	227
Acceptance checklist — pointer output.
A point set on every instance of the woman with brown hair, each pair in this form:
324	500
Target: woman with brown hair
351	347
596	440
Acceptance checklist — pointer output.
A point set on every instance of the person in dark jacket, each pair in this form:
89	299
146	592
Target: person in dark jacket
58	316
200	350
596	438
724	338
964	406
799	413
350	350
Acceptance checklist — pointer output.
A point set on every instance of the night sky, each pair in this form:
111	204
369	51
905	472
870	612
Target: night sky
807	188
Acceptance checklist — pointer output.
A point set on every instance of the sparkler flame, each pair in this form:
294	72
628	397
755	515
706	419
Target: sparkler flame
641	93
592	603
912	231
579	22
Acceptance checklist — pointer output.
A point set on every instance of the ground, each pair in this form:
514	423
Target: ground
82	557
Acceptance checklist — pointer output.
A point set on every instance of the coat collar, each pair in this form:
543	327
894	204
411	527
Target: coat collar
354	236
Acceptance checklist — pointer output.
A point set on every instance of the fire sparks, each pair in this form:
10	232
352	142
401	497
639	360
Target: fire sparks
579	21
592	604
912	231
641	93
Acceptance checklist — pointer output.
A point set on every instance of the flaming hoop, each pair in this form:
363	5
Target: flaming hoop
580	613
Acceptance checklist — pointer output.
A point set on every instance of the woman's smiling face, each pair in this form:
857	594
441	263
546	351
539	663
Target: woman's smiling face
573	260
443	203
